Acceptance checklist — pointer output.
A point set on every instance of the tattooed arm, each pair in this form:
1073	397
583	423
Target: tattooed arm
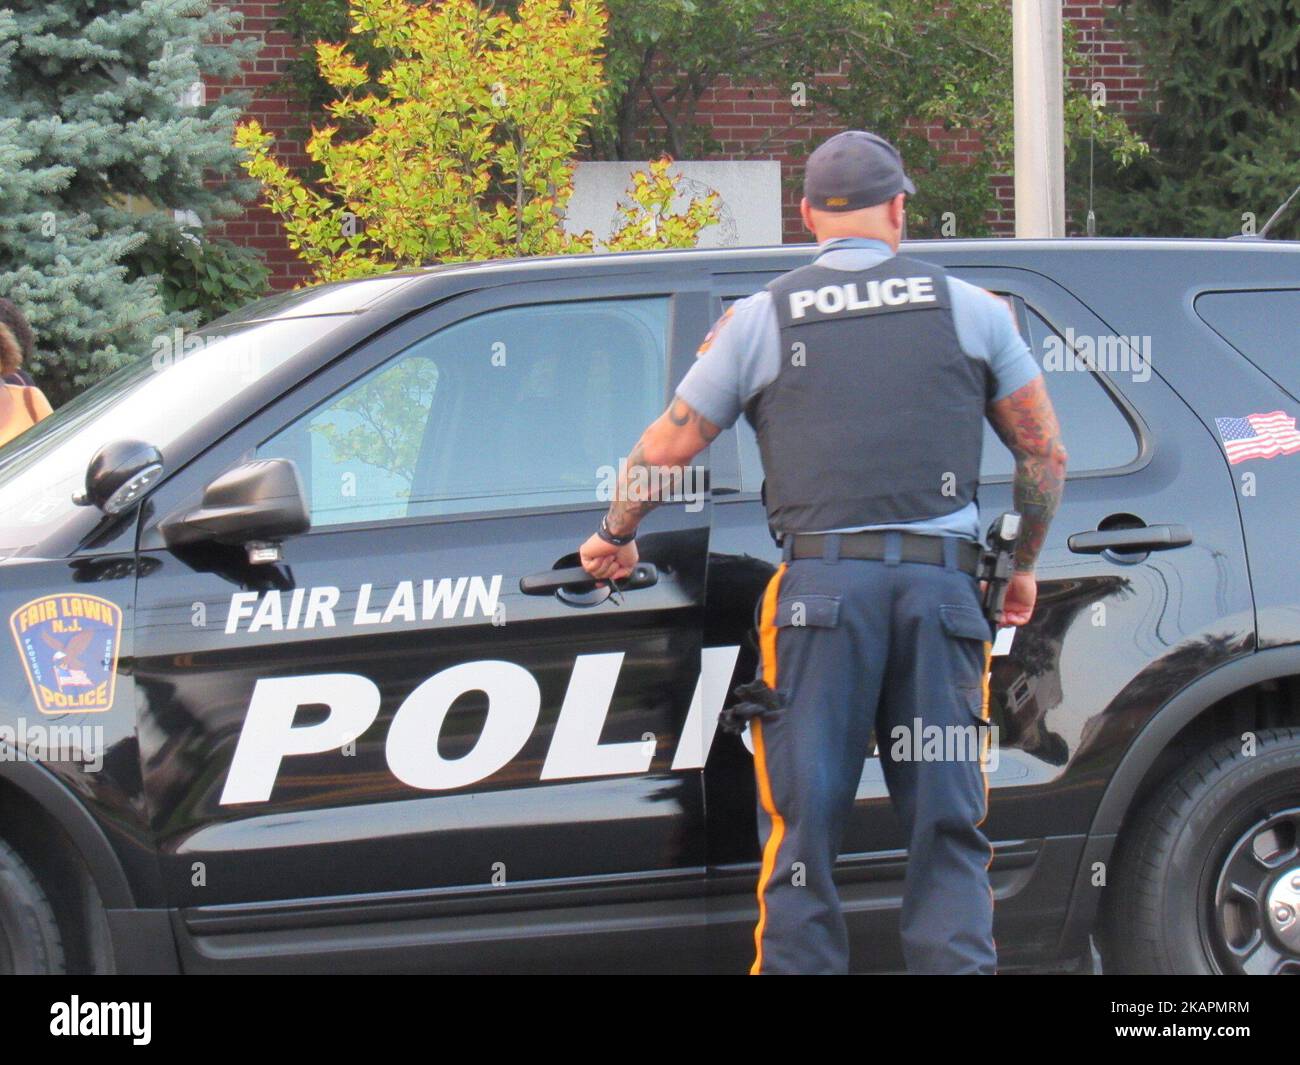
1026	423
672	439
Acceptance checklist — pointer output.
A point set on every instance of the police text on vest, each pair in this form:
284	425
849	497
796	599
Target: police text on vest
891	292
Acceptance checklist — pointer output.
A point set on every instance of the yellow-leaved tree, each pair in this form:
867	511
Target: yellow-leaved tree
466	149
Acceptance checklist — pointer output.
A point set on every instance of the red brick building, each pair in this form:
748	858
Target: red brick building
750	122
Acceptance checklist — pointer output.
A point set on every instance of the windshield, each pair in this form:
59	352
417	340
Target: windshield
155	399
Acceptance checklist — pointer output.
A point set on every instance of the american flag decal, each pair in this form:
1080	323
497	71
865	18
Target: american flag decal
1258	436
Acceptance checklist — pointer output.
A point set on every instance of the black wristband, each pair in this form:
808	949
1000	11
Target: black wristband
609	538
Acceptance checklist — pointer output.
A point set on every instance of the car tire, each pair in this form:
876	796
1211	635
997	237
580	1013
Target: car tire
30	942
1211	865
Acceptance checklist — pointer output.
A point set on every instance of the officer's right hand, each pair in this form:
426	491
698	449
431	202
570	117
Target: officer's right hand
602	559
1022	593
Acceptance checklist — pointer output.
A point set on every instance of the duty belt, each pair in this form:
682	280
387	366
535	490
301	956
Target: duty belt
872	545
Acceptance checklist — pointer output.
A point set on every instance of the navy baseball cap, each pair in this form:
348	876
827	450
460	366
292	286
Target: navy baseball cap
852	170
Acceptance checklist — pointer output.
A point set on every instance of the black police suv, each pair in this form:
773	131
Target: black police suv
290	683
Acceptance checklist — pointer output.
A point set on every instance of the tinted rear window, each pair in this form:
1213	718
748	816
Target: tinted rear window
1264	326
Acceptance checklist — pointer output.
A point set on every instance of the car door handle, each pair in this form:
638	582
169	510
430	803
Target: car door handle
575	578
1143	538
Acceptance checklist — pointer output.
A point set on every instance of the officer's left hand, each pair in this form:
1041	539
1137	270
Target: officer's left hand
1018	605
603	560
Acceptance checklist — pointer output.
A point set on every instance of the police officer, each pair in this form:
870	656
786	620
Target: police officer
867	376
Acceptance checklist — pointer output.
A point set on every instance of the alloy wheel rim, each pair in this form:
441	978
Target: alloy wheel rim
1255	929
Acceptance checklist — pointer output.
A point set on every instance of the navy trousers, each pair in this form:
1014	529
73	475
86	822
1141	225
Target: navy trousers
898	647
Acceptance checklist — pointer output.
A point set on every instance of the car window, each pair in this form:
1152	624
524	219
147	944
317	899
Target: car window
734	461
1264	326
156	398
522	407
1095	430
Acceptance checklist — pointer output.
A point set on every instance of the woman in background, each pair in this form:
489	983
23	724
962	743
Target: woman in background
22	404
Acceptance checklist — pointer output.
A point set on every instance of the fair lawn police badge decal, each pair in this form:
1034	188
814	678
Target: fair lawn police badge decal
68	643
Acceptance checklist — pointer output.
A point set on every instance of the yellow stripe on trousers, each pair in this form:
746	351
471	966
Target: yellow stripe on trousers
767	647
984	749
984	743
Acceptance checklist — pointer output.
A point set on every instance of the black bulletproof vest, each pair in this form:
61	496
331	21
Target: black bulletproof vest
876	414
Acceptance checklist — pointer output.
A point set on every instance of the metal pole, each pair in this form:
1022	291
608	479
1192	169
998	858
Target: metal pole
1039	126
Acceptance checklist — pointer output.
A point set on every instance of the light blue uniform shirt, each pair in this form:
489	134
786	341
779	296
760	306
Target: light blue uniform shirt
742	355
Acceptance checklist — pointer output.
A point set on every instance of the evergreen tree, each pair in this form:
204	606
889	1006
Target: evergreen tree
1223	122
102	141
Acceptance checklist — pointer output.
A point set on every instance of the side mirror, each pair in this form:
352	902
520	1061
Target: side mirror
253	505
118	475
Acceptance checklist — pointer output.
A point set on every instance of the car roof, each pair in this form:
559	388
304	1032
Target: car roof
325	298
753	252
404	290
